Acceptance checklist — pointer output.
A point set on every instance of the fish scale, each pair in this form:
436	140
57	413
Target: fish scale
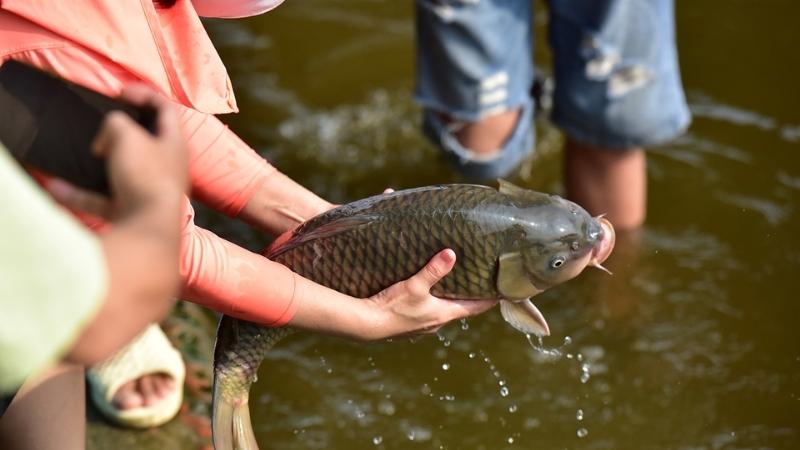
364	247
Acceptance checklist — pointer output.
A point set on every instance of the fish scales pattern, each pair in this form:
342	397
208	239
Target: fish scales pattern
240	348
406	230
404	233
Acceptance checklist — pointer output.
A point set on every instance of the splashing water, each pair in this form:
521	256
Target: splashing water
552	352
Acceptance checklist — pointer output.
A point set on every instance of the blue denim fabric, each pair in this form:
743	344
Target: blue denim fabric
616	73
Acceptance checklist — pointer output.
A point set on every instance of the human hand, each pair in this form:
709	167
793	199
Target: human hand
407	308
143	169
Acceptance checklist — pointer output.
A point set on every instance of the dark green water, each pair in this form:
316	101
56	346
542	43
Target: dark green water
693	344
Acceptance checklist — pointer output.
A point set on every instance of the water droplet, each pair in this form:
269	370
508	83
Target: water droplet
567	340
504	391
585	375
579	414
386	407
360	414
445	366
512	409
377	440
501	382
471	355
464	324
510	440
582	432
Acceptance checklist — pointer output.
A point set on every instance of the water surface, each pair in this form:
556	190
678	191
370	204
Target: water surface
692	344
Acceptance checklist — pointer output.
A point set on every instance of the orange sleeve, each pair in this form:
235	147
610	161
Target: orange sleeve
224	171
232	280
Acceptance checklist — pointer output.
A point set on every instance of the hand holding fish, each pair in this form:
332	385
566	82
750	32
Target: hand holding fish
407	308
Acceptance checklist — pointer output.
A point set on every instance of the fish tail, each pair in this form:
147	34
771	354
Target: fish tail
230	426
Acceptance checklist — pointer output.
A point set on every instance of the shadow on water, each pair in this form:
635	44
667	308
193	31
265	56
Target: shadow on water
692	344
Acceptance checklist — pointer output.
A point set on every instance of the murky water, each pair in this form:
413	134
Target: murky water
692	344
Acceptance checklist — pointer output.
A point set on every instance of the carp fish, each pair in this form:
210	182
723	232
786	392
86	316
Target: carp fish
510	243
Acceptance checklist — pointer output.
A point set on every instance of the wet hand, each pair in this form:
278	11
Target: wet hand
407	308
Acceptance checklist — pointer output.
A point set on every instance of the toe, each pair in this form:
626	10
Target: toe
127	397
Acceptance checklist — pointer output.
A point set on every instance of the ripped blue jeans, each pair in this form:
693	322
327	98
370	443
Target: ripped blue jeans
617	81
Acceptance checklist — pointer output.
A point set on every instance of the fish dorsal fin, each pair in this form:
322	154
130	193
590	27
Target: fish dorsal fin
509	188
337	226
512	280
516	192
525	317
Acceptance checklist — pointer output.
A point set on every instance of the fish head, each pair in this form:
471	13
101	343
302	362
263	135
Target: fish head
560	240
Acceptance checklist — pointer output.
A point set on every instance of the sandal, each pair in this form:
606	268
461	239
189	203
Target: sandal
150	352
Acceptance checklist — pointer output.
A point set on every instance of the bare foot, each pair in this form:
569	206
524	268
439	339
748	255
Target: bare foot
144	391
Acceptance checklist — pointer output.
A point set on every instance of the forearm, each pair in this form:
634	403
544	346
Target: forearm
330	312
231	177
281	204
141	256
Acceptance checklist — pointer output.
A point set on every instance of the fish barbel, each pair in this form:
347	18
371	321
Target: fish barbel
510	244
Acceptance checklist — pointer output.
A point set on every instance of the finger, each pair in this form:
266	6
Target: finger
166	118
78	199
468	308
439	266
114	126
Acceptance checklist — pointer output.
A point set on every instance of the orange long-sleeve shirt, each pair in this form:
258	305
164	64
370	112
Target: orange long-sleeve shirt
107	44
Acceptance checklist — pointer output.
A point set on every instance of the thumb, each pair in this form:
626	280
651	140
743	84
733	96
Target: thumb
436	269
111	131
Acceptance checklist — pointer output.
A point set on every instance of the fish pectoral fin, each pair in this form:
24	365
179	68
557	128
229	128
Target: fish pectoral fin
525	317
512	280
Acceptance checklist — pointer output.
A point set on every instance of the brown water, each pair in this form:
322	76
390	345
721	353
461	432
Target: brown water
694	343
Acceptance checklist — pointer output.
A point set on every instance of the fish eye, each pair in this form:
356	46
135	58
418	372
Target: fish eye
557	262
575	246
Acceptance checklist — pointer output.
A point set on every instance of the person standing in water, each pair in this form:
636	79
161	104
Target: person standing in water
617	90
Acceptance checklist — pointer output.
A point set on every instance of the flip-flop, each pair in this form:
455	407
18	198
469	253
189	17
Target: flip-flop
149	353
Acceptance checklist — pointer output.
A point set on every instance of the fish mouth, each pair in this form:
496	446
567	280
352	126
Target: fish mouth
602	250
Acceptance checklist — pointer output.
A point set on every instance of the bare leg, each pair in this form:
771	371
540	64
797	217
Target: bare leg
488	135
613	182
49	412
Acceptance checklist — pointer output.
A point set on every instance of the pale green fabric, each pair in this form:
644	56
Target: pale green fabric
53	277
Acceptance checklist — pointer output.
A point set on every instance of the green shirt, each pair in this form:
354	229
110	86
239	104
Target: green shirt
53	277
